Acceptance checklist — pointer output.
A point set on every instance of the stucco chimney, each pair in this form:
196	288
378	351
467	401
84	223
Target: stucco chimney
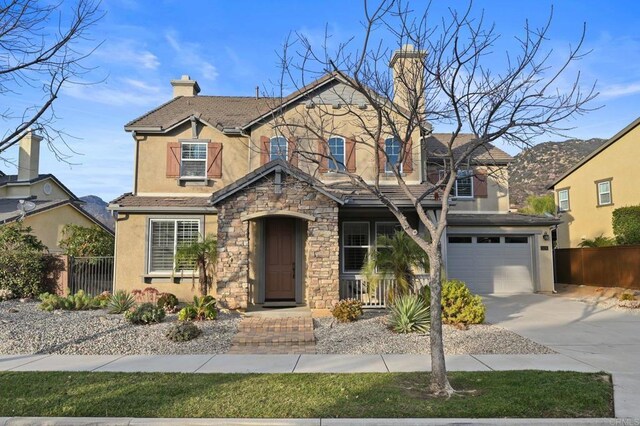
29	156
408	75
185	87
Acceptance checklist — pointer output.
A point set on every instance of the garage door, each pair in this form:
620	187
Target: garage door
491	263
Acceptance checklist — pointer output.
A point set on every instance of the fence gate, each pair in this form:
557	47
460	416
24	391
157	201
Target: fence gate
93	275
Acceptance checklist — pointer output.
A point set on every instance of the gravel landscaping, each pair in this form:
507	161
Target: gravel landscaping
370	335
25	329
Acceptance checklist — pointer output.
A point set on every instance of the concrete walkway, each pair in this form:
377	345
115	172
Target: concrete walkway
231	363
606	339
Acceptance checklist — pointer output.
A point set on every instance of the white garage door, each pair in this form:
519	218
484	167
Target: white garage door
491	263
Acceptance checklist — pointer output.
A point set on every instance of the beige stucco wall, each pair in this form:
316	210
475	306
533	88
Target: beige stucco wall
48	225
36	189
131	244
585	219
497	199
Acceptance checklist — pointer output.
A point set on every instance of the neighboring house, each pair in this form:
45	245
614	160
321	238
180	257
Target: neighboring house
587	194
291	230
41	201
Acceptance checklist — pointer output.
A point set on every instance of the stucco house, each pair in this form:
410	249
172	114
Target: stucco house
40	201
293	231
606	179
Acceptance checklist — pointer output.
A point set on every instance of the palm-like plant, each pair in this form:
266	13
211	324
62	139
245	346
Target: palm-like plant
599	241
201	255
398	256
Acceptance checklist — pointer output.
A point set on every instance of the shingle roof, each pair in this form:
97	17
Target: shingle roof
500	219
130	200
356	196
436	145
8	179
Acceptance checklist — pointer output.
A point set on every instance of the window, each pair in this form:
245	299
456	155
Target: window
604	193
165	235
563	200
488	240
460	239
355	242
278	148
387	229
336	148
193	162
463	187
392	149
516	240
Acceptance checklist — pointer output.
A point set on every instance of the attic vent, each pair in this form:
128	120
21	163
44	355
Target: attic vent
336	105
309	104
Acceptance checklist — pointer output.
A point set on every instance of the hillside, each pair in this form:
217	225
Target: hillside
536	167
97	207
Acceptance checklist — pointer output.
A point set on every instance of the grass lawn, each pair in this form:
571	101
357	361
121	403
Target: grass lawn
495	394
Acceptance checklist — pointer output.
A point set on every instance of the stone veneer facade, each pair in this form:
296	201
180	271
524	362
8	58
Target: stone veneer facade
321	251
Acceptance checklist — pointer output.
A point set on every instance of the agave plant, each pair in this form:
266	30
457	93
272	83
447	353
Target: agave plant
409	313
200	254
120	302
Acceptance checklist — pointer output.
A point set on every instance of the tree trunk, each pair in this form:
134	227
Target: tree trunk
439	385
204	285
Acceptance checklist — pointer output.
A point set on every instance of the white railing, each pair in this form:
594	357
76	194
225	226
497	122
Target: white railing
355	286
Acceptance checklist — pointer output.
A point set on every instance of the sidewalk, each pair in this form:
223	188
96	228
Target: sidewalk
231	363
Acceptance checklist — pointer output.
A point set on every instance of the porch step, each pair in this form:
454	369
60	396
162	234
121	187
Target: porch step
274	335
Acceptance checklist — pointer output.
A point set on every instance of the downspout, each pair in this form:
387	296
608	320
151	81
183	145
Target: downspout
135	163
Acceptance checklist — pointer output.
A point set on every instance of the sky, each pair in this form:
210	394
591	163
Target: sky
230	47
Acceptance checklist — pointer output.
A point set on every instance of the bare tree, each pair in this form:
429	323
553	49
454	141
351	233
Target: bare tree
453	78
42	47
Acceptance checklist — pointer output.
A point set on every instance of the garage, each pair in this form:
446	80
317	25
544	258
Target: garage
492	263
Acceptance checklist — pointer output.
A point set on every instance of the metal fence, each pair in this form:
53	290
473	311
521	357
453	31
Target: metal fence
356	287
617	266
93	275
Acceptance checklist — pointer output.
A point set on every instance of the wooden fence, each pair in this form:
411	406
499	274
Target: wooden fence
617	266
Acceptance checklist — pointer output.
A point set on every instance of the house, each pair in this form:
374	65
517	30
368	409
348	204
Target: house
587	194
292	230
40	201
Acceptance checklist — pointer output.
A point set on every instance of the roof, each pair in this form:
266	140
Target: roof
9	211
436	145
604	146
133	201
13	179
500	219
356	196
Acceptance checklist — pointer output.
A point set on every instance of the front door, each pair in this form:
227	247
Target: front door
280	259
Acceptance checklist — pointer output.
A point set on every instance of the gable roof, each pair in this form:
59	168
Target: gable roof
604	146
13	179
436	145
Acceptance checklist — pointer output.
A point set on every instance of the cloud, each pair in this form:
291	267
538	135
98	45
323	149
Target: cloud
118	92
189	55
619	90
128	52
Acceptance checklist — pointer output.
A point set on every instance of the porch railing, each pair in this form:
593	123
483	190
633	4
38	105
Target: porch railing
355	286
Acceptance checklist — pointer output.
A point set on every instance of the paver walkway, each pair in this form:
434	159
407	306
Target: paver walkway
264	335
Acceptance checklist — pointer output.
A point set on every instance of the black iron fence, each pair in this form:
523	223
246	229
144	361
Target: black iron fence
93	275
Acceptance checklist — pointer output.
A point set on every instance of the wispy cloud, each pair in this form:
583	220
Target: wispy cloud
619	90
128	52
189	54
118	92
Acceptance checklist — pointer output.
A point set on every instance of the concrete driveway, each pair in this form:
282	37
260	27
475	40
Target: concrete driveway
604	338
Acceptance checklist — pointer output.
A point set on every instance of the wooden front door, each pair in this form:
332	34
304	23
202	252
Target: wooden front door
280	259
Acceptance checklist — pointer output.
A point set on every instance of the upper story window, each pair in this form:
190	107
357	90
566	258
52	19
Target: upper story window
337	158
392	148
278	148
604	193
165	236
563	200
463	188
193	160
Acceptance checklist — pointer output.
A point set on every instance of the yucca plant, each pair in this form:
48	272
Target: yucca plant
120	301
398	256
409	313
201	255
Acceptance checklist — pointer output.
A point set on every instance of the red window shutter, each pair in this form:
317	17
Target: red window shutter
323	161
350	150
173	159
292	149
407	162
480	184
264	150
214	160
382	157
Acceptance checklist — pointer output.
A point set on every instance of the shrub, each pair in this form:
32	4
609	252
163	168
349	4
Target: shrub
22	256
626	224
183	331
120	302
148	295
168	302
599	241
6	294
627	296
410	313
459	306
146	313
86	241
539	204
102	300
202	308
188	313
73	302
50	302
347	310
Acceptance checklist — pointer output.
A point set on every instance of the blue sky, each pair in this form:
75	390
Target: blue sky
230	47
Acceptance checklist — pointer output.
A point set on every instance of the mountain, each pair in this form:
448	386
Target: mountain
536	167
97	207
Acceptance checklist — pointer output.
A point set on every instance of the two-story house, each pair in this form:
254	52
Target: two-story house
294	230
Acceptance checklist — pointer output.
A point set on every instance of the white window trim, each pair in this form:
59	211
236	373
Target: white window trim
286	147
455	186
206	160
175	243
387	165
600	193
344	155
344	246
560	200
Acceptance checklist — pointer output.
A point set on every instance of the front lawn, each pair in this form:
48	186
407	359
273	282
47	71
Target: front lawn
495	394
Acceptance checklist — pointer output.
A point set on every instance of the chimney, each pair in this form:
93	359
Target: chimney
29	156
408	76
185	87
